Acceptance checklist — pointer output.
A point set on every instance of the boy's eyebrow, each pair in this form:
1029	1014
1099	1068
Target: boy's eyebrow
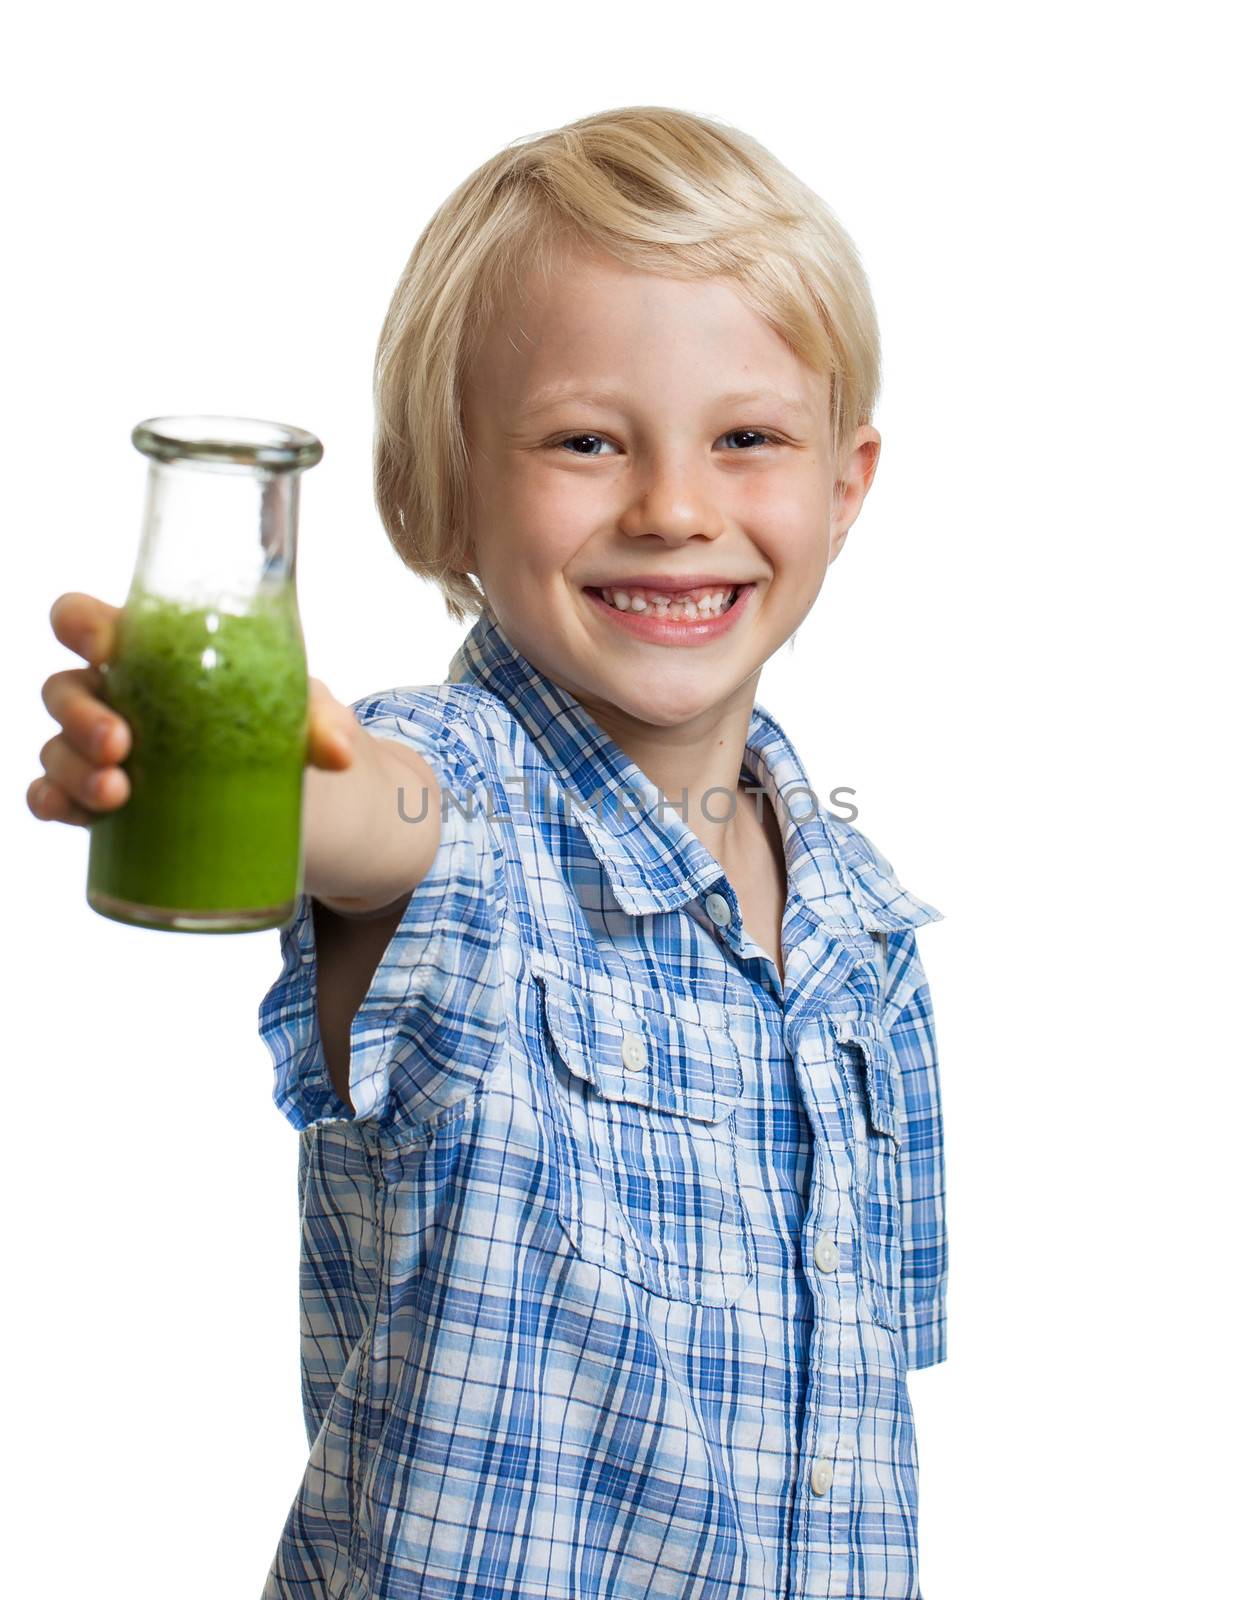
553	394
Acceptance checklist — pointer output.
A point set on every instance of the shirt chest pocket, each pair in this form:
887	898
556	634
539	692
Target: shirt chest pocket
643	1105
871	1071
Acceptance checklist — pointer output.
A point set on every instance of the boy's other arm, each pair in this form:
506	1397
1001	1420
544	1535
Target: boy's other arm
347	953
362	861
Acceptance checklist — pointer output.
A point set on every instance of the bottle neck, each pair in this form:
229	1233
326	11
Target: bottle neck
216	535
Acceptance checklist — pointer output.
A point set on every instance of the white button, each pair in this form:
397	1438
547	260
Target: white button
633	1052
718	910
826	1253
820	1477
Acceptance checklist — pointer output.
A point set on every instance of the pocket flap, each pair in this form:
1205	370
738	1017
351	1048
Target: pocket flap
635	1052
880	1071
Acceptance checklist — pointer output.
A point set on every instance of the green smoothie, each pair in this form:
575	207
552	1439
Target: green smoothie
209	838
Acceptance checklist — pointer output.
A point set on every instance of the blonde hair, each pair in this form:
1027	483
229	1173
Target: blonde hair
662	190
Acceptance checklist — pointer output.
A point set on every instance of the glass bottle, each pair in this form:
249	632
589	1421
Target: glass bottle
210	672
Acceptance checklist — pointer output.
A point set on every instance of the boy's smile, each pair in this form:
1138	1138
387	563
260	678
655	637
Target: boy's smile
654	500
673	611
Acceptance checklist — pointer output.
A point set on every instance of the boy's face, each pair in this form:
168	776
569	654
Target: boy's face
668	485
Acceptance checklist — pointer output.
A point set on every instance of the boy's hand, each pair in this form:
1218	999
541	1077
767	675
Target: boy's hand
333	732
82	776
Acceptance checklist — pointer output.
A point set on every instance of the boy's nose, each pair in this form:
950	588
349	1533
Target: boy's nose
673	503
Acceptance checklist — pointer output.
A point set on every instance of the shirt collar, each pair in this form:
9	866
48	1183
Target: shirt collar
651	857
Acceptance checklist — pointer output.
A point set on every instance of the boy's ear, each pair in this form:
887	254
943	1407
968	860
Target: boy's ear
853	485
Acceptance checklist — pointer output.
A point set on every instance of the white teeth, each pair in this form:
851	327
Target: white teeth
681	608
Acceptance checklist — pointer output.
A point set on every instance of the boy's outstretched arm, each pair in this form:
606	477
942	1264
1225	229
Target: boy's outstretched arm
362	850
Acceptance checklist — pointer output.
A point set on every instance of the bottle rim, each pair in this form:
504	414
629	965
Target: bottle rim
238	441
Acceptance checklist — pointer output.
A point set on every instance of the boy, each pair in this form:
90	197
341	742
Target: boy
621	1173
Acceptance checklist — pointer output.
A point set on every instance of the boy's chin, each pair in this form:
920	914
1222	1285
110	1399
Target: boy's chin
666	702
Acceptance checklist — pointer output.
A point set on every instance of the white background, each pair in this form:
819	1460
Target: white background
1022	662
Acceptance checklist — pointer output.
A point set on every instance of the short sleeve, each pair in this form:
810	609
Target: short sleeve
430	1025
924	1237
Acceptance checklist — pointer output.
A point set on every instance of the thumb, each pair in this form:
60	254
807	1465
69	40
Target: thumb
332	729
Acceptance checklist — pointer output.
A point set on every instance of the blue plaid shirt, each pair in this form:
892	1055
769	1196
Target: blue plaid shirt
610	1285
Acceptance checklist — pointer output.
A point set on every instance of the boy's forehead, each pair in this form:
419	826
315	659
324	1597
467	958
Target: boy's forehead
600	300
595	327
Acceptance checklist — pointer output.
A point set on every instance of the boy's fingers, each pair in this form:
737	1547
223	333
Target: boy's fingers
87	625
91	726
49	802
86	783
331	729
